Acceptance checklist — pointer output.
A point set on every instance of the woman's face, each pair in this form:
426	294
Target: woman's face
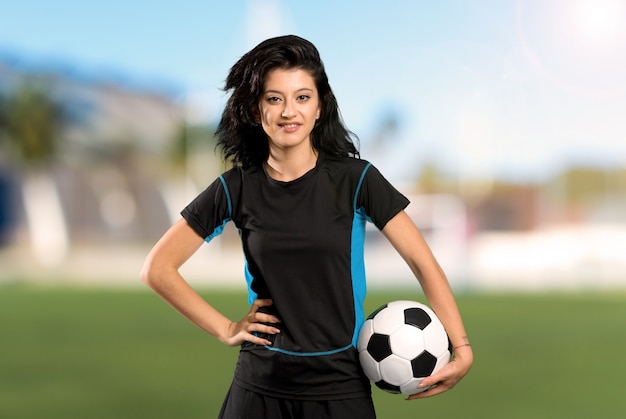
288	108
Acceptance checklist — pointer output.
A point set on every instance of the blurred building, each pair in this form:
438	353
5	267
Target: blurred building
110	151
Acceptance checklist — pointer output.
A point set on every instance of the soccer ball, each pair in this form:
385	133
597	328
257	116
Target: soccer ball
400	344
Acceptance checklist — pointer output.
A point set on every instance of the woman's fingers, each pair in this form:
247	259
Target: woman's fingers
255	326
261	316
263	328
266	318
261	302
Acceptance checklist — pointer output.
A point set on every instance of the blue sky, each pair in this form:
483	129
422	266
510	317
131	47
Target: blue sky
490	88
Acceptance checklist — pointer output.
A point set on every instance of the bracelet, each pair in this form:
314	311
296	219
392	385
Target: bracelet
457	347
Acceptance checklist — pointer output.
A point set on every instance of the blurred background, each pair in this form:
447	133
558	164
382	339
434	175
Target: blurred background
502	120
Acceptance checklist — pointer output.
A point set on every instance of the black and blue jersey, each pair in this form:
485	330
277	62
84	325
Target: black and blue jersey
303	243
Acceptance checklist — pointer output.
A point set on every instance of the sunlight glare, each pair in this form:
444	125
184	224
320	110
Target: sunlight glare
599	21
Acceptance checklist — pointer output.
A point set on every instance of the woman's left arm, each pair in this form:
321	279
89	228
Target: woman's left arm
410	244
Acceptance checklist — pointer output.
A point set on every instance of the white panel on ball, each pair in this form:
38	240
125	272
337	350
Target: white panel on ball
364	335
410	387
436	339
388	320
371	368
442	361
407	342
395	370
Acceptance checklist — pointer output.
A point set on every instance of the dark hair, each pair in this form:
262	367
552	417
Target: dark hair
241	138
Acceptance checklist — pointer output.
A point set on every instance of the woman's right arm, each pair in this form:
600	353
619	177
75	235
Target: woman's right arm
161	273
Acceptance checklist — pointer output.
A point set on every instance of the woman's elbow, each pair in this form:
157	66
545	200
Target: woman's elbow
148	274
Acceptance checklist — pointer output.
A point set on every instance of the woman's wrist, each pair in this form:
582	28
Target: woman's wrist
454	348
460	342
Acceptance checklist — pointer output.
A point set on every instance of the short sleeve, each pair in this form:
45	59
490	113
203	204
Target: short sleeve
380	200
210	211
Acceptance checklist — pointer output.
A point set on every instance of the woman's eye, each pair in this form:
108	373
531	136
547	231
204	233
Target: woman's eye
273	99
303	97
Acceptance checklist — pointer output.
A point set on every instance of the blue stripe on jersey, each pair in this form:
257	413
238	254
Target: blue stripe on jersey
358	186
249	278
283	351
227	192
218	230
359	286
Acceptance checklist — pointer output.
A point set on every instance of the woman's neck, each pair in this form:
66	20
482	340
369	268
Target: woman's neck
287	166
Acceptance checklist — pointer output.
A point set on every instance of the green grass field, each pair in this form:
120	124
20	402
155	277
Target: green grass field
93	353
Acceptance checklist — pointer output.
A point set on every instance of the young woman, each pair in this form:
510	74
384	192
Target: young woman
300	197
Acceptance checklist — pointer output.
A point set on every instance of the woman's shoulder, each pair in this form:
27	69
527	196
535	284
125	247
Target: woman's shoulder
237	172
354	168
348	163
234	178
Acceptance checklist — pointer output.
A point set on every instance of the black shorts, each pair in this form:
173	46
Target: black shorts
245	404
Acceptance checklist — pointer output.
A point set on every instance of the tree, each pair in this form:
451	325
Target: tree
31	121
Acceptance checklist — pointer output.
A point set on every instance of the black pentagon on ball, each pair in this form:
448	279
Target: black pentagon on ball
423	364
382	384
378	346
417	317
